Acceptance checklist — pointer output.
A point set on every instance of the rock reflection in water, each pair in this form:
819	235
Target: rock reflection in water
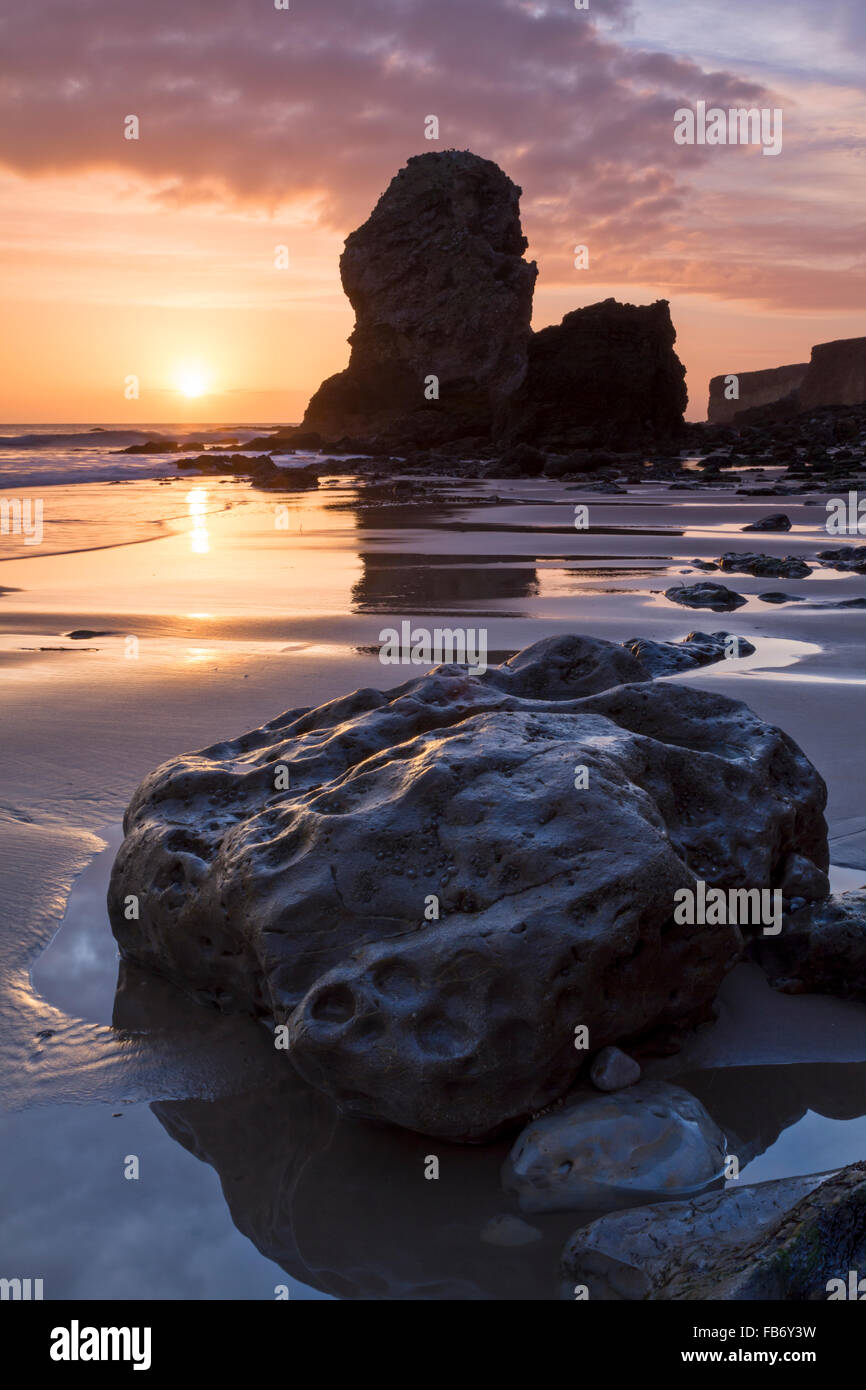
434	582
344	1206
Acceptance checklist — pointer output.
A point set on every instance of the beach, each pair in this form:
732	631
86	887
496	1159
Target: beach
206	608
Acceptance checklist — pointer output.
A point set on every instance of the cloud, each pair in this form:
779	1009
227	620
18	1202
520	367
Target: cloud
247	105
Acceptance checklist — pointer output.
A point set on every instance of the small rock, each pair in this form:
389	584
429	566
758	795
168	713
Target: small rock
776	521
509	1231
614	1150
705	595
613	1070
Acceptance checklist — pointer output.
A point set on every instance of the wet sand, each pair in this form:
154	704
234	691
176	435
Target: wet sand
240	611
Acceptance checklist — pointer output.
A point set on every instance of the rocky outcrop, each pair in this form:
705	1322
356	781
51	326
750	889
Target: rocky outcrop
440	287
753	389
606	377
436	901
836	375
609	1151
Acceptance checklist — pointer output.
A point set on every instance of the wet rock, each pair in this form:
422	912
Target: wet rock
579	461
439	286
821	949
613	1070
697	649
777	521
841	603
705	565
845	557
523	461
455	794
287	480
764	566
602	1151
606	377
673	1250
152	446
705	595
776	596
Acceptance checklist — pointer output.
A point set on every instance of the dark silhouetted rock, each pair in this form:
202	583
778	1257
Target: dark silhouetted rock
836	374
764	566
522	461
580	461
777	521
606	377
316	905
153	446
845	557
705	595
439	285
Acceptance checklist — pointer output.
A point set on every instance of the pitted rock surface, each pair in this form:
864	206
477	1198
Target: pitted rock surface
314	905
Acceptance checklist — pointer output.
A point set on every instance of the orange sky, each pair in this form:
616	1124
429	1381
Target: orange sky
155	258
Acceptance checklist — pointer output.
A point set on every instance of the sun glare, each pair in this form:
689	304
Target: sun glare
192	380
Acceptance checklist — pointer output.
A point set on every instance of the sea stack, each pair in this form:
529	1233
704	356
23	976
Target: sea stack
442	348
441	289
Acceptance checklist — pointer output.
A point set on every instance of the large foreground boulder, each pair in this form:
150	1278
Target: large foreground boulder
439	285
439	887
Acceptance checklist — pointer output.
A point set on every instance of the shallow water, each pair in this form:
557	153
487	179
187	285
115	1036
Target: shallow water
235	621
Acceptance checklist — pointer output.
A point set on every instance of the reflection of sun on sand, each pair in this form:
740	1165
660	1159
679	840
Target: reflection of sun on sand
197	503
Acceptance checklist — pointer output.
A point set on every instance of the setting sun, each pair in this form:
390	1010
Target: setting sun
192	380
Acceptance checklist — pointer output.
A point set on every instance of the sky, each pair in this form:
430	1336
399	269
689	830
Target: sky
259	128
